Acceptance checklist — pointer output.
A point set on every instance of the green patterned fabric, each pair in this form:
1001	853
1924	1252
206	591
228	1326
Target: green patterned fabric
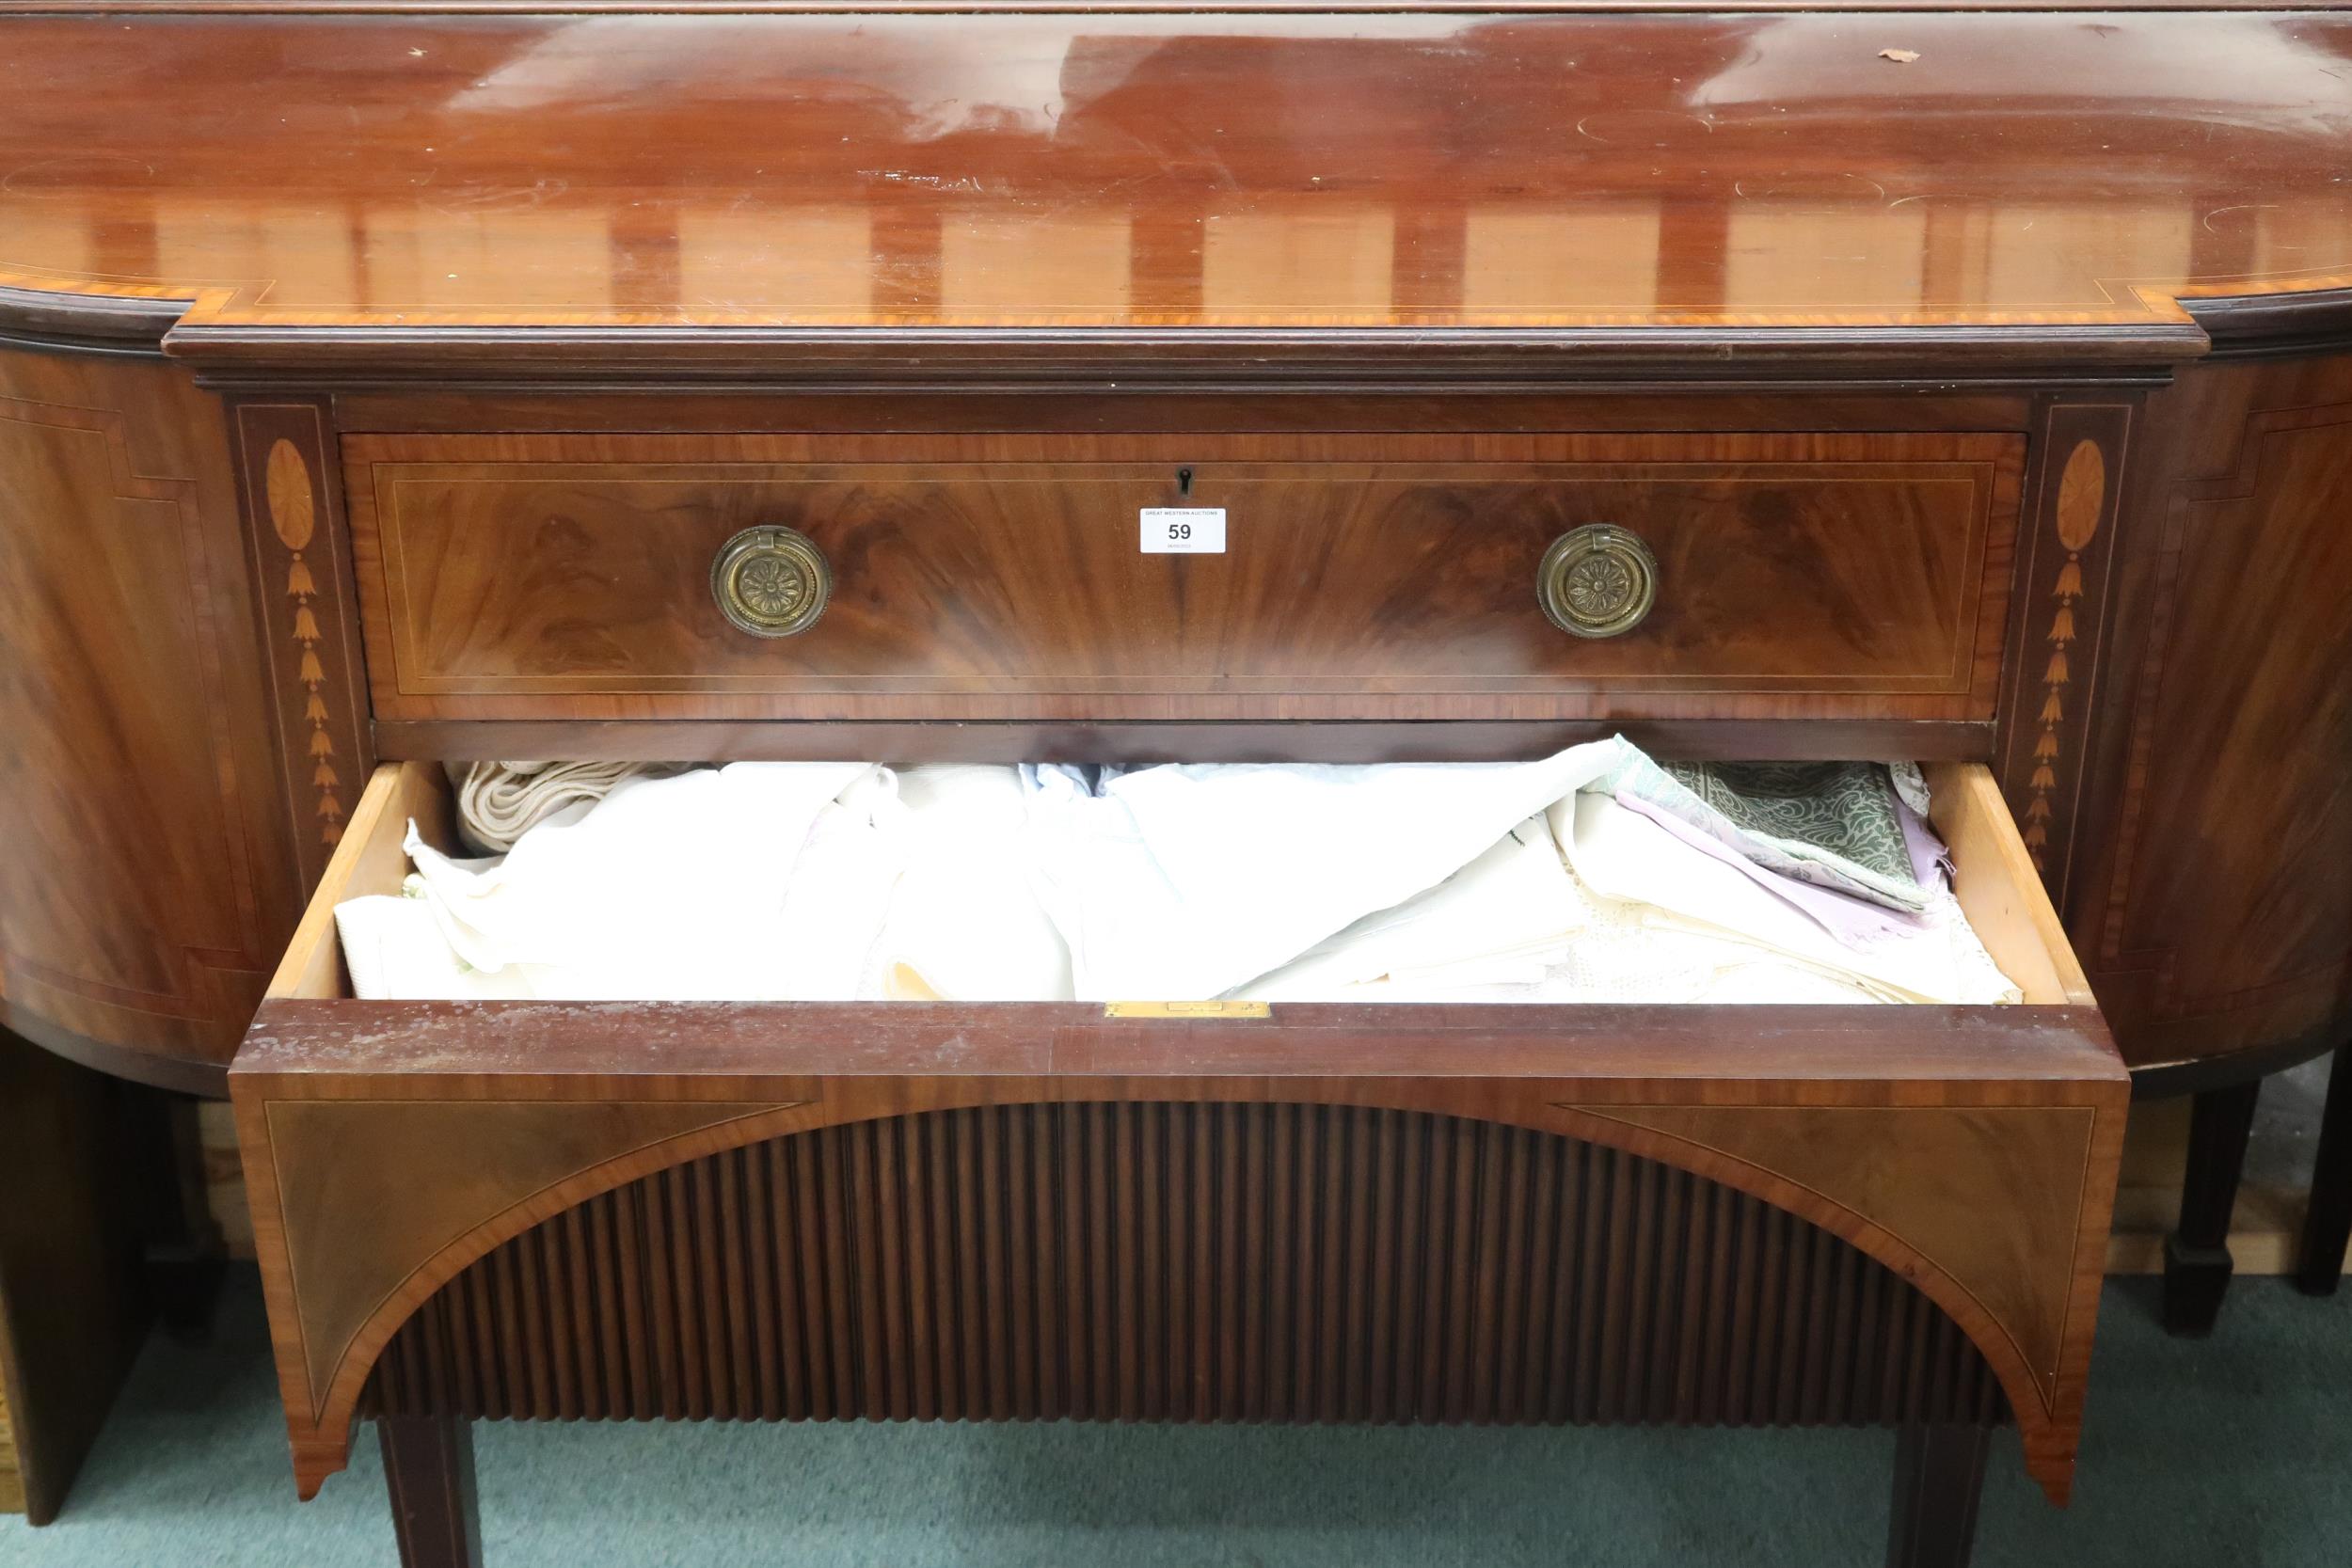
1832	824
1846	809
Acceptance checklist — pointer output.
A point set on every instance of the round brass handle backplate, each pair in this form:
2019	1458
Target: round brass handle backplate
770	582
1597	581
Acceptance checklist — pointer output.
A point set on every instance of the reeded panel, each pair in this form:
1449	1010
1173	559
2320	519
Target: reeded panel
1007	577
1208	1262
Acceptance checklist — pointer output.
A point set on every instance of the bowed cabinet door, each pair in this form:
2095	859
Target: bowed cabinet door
2210	902
149	883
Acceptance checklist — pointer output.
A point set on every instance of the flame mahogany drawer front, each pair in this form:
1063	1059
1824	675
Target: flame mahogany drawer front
1002	576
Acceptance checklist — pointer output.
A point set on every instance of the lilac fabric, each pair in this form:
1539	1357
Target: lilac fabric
1930	862
1854	922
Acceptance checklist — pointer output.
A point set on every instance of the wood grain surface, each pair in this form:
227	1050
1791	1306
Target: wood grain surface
75	1306
1176	172
2212	911
1972	1149
147	884
12	1471
1001	577
403	228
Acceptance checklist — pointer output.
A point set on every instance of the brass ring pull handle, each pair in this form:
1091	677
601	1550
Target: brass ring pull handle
1597	581
770	582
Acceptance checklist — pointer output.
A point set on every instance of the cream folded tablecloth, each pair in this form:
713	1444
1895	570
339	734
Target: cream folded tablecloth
500	801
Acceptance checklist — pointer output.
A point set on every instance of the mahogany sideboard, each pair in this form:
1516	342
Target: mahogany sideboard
378	383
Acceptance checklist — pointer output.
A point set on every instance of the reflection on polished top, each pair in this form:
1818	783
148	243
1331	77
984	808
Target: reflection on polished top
1167	171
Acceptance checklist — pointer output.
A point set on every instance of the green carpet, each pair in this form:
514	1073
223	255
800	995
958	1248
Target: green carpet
2236	1450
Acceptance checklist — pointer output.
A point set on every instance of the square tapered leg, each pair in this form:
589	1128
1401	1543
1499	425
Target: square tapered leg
428	1468
1939	1477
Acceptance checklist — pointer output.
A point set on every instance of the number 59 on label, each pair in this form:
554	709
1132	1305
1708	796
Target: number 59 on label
1183	531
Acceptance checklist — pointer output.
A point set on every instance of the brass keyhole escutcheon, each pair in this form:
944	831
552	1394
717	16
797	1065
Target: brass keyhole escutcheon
1598	580
770	582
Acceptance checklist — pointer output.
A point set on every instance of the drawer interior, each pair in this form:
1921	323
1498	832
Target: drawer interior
1995	885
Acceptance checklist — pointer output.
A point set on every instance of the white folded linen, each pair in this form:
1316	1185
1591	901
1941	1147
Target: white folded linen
837	898
845	881
1620	854
1613	952
1503	919
1520	924
915	893
1181	883
396	951
669	888
964	924
1622	956
778	881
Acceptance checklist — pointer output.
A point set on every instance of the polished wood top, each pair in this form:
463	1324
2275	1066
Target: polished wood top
1148	171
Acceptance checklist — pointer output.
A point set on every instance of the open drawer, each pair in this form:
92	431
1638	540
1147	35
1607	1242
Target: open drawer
389	1145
